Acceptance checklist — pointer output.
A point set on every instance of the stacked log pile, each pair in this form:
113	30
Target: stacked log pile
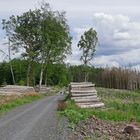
13	89
43	89
85	95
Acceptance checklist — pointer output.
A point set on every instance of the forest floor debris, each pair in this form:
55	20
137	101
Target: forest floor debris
120	120
97	129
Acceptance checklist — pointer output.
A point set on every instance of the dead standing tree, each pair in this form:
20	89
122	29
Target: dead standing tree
8	27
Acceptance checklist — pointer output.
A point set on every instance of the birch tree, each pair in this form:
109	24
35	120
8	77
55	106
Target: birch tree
87	45
26	35
56	39
8	27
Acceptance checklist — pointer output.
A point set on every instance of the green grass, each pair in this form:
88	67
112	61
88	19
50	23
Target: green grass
74	114
121	105
19	101
14	101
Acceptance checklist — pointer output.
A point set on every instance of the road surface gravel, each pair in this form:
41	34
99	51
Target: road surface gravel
34	121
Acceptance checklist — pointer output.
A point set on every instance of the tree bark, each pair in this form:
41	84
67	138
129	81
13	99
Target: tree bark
11	68
41	75
86	76
46	78
28	73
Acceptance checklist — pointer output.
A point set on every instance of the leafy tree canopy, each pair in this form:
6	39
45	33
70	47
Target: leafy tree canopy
87	44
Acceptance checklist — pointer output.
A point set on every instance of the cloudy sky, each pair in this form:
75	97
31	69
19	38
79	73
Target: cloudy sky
117	24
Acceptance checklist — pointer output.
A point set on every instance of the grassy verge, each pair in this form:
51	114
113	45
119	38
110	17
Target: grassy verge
121	105
9	102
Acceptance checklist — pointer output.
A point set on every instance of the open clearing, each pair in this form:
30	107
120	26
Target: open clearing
39	121
122	108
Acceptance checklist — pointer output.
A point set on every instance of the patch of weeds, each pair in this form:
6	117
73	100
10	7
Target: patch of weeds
20	100
75	114
113	115
61	106
121	105
9	102
124	105
97	138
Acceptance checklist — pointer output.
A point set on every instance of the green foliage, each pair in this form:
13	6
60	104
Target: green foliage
87	44
57	74
77	74
75	114
19	101
21	83
122	105
14	101
24	32
43	34
5	75
19	68
55	36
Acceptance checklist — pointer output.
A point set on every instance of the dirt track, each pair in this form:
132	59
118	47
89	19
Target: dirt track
34	121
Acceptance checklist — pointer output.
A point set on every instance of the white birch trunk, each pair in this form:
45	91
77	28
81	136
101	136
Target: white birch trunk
11	68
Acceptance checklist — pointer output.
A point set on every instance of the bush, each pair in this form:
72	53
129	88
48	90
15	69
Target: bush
61	106
21	83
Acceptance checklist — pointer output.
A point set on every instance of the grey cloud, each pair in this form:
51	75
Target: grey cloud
119	40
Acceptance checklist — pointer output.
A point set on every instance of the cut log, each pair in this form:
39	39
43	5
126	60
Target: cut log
82	85
12	89
9	93
87	88
93	105
43	89
83	94
85	97
95	100
83	91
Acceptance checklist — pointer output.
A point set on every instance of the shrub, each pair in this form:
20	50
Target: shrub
21	83
61	106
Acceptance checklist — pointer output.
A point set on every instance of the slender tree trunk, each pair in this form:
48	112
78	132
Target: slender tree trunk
33	76
11	68
41	75
86	76
41	78
46	79
28	73
85	67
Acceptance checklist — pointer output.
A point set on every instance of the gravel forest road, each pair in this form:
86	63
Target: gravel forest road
34	121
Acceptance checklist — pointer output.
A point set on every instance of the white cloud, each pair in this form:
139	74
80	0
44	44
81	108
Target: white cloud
119	39
4	53
117	30
117	60
119	35
122	36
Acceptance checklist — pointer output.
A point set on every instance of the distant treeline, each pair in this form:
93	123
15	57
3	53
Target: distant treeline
61	74
53	75
118	78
